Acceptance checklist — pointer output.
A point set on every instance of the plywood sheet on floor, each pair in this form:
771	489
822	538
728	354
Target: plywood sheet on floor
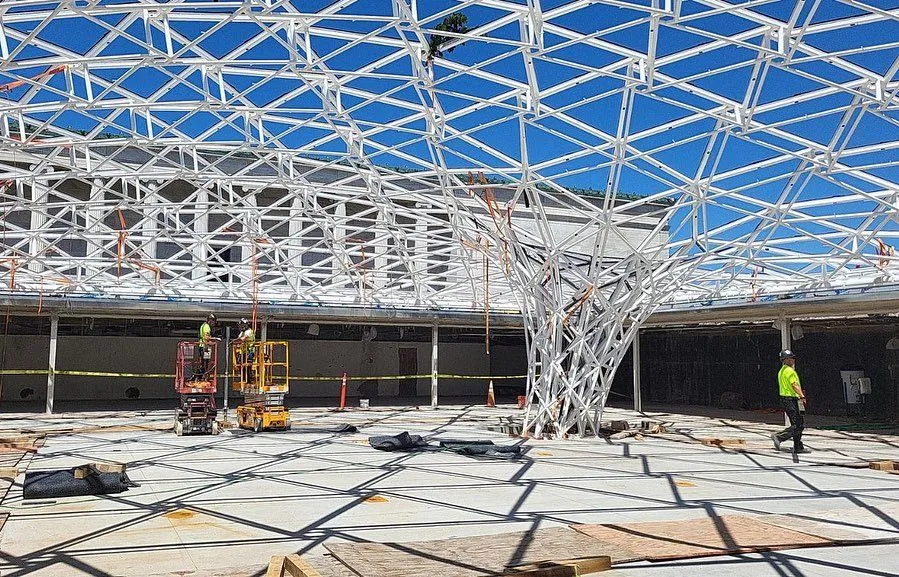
703	537
473	556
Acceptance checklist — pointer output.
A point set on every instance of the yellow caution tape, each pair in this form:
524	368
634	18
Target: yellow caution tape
85	373
396	377
292	378
126	375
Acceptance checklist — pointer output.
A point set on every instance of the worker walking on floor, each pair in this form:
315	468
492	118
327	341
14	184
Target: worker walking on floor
792	398
245	352
204	346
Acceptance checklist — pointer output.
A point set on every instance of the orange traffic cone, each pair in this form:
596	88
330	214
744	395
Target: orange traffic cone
491	400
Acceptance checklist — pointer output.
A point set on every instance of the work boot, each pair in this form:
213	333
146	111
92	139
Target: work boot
776	441
801	451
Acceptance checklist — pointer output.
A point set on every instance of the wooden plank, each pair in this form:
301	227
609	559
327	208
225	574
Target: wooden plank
475	556
883	465
290	566
557	571
83	471
275	567
715	442
566	568
9	472
703	537
110	467
17	450
296	566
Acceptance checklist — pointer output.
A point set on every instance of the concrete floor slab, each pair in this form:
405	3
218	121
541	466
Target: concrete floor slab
224	505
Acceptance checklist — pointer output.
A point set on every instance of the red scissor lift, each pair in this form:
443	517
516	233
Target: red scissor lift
196	383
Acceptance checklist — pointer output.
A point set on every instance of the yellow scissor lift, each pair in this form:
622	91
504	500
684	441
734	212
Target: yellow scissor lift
260	373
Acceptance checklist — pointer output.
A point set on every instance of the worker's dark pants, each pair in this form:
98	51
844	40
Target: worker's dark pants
203	361
797	422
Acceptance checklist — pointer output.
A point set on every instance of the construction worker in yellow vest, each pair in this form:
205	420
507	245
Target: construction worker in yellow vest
245	352
204	345
792	399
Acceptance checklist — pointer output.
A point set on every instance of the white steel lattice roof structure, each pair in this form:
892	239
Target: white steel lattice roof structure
393	153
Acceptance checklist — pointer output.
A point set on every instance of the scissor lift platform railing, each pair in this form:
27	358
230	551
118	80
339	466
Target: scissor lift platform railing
196	382
260	373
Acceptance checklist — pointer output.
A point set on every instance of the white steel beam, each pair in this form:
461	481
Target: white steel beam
582	174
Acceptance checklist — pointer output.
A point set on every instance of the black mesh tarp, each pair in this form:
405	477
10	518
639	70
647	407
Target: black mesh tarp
406	442
402	442
62	483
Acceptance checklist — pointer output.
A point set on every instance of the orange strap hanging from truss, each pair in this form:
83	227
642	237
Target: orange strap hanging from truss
154	269
577	304
17	83
883	249
755	276
120	251
123	234
13	265
489	197
254	270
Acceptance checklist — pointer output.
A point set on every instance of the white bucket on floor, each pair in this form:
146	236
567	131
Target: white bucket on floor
363	403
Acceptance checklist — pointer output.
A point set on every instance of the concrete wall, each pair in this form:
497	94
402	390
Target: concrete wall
23	352
106	354
308	358
698	367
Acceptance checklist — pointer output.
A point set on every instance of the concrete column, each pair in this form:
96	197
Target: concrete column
638	398
251	229
420	252
379	246
435	331
227	366
201	239
337	264
94	225
37	244
150	226
295	226
264	331
785	336
51	365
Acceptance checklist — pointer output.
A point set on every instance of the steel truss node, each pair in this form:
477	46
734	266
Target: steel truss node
250	150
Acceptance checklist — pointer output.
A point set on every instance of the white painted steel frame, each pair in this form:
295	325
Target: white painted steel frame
152	155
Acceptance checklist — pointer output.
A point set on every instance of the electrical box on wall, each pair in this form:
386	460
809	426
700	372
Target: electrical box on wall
851	390
864	386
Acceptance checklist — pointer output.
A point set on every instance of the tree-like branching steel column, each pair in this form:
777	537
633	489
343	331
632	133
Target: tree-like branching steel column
583	162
